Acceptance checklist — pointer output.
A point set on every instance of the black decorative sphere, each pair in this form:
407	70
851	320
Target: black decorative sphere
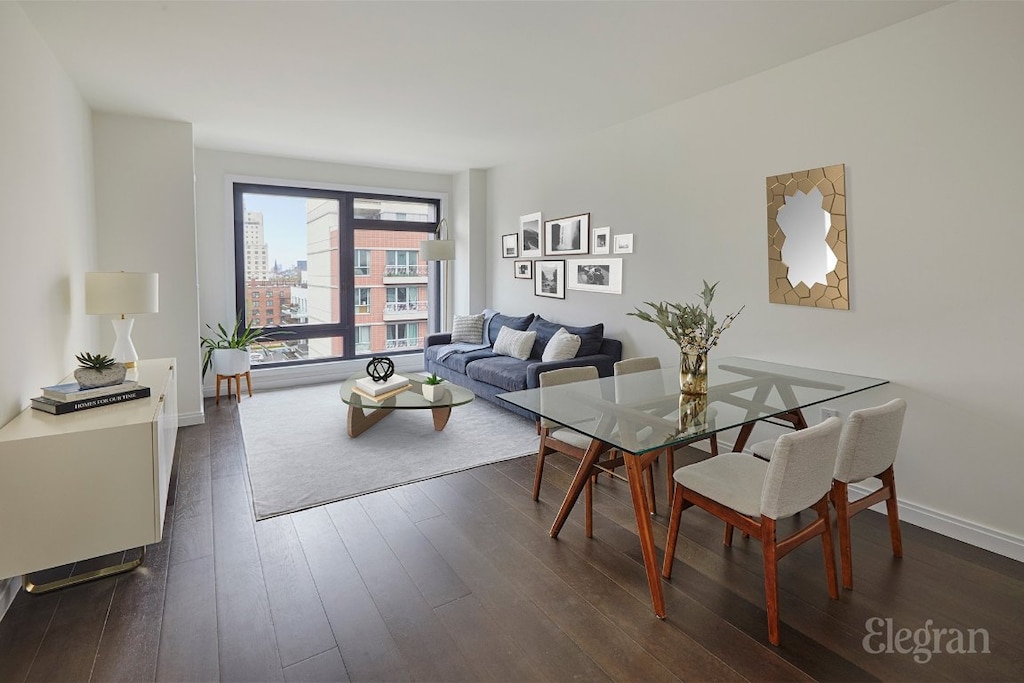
380	368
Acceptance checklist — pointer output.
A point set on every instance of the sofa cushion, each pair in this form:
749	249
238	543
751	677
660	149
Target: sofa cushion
499	321
501	371
561	346
468	328
590	337
457	361
515	343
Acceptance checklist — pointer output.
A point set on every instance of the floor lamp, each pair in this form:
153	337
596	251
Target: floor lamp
122	294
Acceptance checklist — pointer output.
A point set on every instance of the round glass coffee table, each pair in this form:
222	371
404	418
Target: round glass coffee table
364	412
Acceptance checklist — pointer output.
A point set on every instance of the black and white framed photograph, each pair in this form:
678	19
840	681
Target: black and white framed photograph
595	275
549	279
524	269
624	244
569	235
529	235
600	242
510	245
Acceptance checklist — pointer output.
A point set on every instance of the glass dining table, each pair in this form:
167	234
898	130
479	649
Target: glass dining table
643	413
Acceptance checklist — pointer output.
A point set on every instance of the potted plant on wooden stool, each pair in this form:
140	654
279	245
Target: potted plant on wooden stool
227	352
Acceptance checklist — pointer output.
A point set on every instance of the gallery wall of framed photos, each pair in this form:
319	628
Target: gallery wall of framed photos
541	249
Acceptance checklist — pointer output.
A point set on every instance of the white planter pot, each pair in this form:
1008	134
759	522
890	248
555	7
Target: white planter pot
432	392
231	361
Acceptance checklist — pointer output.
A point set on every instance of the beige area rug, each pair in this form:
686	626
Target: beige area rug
300	455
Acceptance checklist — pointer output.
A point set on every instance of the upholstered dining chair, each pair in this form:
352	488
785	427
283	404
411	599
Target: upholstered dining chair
623	391
752	495
556	438
867	448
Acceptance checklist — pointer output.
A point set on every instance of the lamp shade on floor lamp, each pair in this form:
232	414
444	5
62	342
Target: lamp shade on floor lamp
122	294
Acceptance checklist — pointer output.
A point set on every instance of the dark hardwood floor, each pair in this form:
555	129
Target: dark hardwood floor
456	579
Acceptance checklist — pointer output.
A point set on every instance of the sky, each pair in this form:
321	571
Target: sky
284	226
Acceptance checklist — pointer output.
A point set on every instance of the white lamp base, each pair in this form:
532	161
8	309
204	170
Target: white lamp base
124	350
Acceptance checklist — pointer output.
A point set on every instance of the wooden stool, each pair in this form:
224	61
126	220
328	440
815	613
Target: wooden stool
238	385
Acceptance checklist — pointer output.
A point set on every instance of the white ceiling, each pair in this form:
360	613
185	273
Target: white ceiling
441	86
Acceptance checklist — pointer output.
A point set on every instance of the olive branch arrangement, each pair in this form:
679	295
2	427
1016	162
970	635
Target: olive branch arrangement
692	326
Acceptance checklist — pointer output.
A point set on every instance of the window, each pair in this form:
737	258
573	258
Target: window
363	339
300	251
404	263
362	297
361	259
403	336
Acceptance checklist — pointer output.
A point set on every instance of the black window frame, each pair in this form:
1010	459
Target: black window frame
347	225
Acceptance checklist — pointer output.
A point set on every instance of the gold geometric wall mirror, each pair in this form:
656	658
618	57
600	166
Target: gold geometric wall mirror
807	263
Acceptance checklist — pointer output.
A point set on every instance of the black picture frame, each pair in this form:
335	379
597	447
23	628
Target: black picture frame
549	278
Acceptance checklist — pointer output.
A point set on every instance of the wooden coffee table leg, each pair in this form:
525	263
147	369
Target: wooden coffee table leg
359	420
441	415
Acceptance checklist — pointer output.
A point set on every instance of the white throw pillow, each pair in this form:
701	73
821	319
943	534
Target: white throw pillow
561	346
514	343
468	328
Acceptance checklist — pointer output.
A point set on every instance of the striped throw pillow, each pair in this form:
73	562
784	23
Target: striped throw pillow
468	328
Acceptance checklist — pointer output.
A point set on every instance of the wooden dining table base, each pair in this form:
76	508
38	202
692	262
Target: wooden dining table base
635	465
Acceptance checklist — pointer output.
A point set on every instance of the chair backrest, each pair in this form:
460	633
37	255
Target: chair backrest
553	378
870	440
627	391
800	471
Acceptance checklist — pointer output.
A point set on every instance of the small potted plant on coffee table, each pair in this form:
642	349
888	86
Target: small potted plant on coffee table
432	389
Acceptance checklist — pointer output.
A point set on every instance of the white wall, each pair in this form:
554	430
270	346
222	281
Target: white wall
926	116
145	217
47	232
215	169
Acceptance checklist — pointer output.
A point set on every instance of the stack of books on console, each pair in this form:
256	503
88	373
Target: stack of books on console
69	398
378	391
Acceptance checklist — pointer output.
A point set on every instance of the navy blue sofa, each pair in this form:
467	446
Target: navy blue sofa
488	374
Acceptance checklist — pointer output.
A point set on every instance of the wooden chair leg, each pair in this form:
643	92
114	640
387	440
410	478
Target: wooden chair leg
540	468
670	469
673	531
841	501
828	548
727	541
892	509
771	578
714	444
588	496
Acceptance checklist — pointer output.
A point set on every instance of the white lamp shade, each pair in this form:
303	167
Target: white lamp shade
437	250
121	293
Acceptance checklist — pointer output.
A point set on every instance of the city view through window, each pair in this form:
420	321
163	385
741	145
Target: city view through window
322	278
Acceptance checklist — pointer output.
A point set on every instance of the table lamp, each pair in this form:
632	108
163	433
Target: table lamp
439	249
122	294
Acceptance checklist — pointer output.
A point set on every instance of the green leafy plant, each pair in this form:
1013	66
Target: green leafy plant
433	379
239	337
98	361
692	326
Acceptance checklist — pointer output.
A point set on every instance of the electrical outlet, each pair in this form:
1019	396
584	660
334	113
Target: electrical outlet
826	413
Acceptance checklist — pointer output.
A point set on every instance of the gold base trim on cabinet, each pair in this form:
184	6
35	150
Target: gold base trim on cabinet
113	570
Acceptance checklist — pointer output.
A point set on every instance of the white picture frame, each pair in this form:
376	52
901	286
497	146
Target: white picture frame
601	241
530	237
623	244
569	235
602	275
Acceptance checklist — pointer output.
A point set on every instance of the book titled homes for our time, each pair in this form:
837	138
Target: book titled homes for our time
58	407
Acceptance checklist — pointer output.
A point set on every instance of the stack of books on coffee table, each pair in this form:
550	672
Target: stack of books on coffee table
379	391
60	399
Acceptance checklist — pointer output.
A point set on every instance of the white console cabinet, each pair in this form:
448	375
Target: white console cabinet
88	483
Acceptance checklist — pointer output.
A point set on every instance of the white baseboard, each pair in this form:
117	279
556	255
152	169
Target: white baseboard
189	419
953	527
8	591
964	530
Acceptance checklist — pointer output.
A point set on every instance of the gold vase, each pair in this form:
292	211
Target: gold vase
693	373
